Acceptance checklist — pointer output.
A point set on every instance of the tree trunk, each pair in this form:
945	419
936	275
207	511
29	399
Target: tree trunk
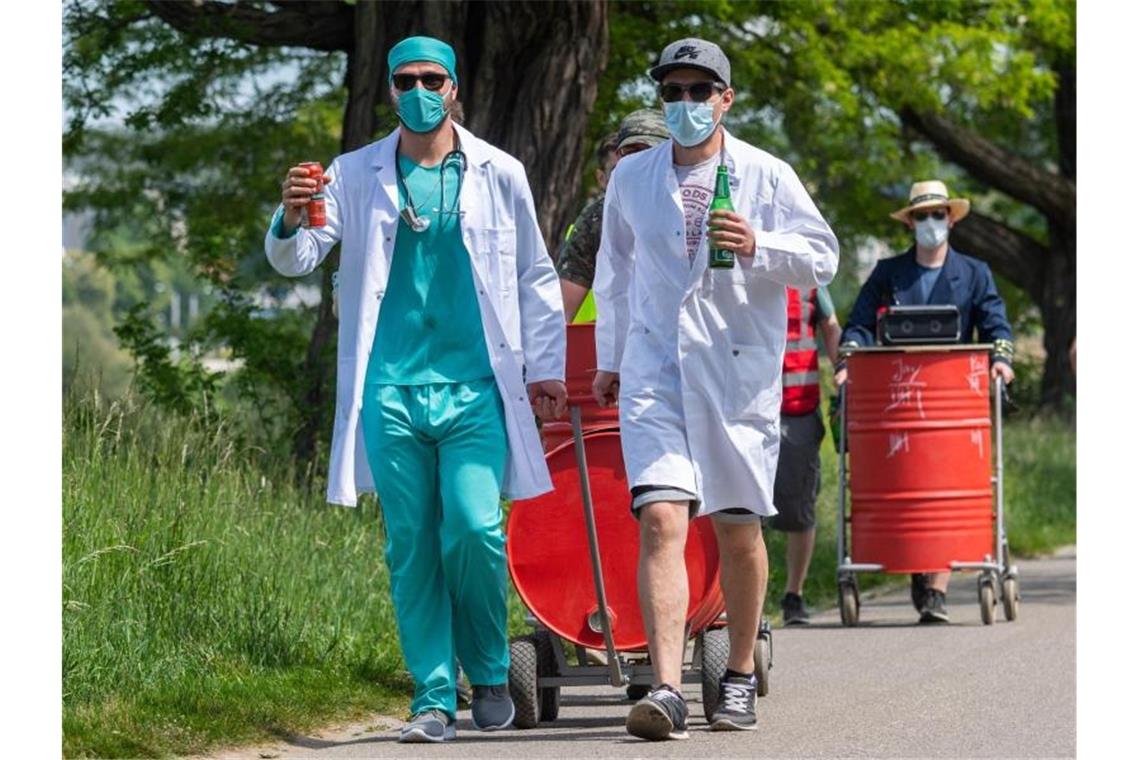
528	77
533	80
1059	314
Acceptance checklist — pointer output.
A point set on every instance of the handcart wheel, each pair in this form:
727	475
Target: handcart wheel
1010	598
522	678
849	603
714	661
636	691
987	599
762	658
549	697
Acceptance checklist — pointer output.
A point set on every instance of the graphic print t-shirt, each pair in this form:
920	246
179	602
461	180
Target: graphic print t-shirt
697	182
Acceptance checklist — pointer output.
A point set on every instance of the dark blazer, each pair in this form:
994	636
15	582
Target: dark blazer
965	282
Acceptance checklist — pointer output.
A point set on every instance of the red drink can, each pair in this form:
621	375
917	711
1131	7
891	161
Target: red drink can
315	210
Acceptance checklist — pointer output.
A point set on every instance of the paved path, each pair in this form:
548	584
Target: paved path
889	688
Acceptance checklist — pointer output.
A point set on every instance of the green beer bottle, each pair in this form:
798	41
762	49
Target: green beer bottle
721	258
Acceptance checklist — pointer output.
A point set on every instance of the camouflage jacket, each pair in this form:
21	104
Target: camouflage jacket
578	253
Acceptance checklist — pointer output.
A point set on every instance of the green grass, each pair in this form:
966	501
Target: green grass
208	600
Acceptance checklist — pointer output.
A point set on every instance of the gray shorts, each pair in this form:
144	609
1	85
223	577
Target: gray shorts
643	495
797	473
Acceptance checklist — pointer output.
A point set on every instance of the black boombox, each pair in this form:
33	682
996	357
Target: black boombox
901	325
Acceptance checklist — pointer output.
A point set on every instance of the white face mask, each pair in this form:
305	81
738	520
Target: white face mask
931	232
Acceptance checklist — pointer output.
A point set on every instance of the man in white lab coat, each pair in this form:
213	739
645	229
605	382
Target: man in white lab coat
698	352
451	337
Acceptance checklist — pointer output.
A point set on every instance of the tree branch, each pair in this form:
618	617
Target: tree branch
1053	195
320	26
1014	255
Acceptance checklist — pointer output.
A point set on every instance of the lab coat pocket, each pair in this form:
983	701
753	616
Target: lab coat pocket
497	255
752	393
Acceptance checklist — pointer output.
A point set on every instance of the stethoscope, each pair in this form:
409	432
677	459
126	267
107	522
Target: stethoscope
409	213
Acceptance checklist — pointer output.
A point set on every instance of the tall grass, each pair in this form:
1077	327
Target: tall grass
207	597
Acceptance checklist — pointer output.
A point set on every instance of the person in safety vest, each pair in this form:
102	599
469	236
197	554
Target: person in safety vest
451	339
577	256
932	273
801	432
692	320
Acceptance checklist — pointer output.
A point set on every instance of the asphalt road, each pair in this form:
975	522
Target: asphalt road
889	688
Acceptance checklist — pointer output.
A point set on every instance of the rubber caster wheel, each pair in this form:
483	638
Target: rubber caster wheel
849	604
549	697
1010	598
714	661
987	599
762	659
522	681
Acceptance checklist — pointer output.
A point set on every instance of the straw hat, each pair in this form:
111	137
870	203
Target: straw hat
932	194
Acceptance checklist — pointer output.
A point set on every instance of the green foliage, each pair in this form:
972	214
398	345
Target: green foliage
178	385
177	145
90	354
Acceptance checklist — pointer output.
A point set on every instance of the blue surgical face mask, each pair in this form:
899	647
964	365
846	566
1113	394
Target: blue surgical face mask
421	110
689	123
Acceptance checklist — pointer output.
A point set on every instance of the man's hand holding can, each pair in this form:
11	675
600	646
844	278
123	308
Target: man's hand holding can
303	188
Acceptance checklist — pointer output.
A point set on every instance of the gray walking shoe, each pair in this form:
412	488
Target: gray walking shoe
661	715
428	727
492	708
934	608
736	708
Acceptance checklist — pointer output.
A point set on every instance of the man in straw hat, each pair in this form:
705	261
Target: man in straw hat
931	272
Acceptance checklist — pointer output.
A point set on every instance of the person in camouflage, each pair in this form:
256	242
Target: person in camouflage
578	253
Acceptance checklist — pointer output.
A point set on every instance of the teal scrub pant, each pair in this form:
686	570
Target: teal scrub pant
438	453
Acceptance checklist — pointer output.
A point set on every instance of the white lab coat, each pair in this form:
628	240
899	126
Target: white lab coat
519	298
700	351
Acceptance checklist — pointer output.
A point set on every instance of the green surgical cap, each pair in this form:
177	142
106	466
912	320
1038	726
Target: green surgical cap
418	49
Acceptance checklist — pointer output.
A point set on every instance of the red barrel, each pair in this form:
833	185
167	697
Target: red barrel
549	555
581	363
918	425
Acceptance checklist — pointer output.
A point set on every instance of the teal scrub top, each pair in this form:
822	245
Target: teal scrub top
430	329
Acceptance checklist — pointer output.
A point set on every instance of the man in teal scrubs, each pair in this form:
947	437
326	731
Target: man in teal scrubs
432	414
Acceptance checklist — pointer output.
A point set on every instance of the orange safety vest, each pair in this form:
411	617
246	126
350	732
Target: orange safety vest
801	356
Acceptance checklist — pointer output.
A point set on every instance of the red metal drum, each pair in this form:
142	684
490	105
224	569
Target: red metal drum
549	557
581	363
918	426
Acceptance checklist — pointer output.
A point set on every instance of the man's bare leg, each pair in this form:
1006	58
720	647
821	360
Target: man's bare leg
744	580
663	585
799	550
938	581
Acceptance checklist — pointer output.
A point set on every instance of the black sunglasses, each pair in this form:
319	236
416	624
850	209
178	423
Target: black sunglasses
699	92
920	216
405	82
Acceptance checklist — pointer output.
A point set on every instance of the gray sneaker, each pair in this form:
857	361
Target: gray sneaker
934	608
736	708
427	727
491	707
661	715
795	613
